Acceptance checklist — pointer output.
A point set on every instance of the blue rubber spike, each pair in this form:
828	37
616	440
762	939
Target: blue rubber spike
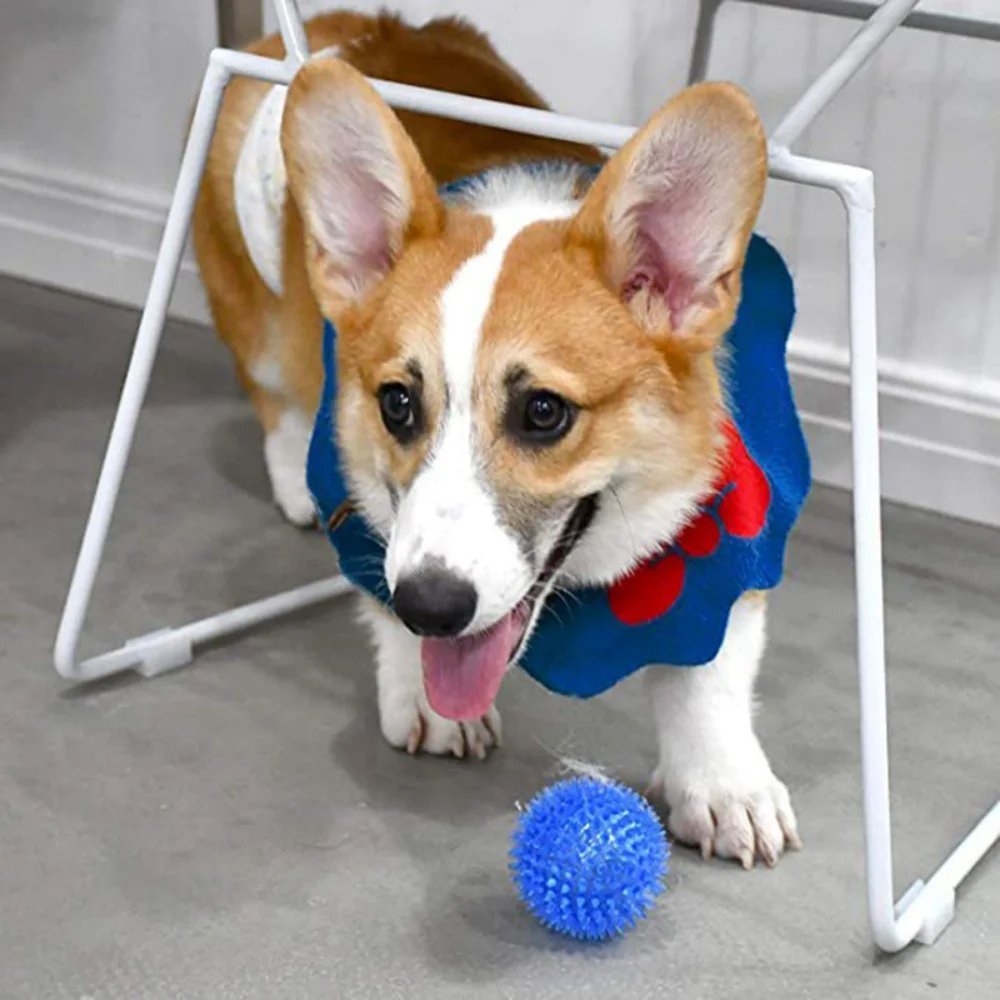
589	858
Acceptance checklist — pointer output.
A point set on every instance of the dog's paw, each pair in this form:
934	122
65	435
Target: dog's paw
412	725
739	811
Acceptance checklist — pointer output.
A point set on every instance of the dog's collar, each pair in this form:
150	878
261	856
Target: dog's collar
674	608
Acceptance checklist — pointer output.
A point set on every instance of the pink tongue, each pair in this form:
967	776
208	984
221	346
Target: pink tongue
462	676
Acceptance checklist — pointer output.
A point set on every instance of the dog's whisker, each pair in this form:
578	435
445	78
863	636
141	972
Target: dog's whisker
633	544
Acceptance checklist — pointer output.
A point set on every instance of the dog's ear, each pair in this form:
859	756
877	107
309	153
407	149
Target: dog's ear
357	179
670	215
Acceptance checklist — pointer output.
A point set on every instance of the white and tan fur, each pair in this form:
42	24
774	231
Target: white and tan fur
613	299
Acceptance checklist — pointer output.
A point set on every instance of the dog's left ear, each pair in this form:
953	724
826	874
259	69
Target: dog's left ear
670	215
357	178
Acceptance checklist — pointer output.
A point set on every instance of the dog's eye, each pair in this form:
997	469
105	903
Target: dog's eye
546	417
400	410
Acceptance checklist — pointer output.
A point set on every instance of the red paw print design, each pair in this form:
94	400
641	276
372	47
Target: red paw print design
739	505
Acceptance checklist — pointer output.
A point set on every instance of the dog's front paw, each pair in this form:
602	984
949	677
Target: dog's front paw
411	724
731	806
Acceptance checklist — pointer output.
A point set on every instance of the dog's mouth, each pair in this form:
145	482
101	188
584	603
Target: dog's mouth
462	676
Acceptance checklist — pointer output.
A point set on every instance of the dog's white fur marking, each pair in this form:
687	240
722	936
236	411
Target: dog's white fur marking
260	182
285	450
268	373
718	785
408	722
259	189
627	529
448	514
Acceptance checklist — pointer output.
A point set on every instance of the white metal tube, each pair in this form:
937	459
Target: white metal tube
243	617
259	67
701	49
293	34
867	499
143	354
116	661
844	178
943	24
971	850
499	115
134	653
457	106
892	931
829	83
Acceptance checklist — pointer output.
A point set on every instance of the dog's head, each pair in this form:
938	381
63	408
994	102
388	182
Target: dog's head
527	378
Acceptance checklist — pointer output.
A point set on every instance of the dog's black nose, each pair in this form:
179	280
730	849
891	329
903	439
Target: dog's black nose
434	601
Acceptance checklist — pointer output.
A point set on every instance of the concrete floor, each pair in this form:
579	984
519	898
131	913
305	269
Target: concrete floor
238	828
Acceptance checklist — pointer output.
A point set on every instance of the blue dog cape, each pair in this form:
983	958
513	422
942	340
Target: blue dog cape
674	608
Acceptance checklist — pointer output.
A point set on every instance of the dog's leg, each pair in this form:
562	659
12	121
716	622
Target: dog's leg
286	444
406	718
719	788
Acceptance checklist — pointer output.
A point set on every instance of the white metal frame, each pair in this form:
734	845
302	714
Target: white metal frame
927	907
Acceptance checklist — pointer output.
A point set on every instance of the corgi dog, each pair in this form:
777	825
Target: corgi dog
527	340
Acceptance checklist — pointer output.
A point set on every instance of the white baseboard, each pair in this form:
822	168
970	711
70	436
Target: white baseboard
941	432
83	235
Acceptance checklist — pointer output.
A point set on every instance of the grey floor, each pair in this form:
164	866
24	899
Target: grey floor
238	829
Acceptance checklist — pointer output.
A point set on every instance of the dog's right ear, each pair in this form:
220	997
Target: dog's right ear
357	179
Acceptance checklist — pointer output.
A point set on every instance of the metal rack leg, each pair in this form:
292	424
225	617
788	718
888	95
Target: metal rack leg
925	909
165	648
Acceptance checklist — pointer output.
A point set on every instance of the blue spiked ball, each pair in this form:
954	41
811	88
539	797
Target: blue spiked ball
589	857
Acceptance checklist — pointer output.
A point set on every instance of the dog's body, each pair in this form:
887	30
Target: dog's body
528	387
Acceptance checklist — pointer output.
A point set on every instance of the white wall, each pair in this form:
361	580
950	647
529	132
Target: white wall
94	96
